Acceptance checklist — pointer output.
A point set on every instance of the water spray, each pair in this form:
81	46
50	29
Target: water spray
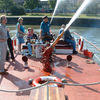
57	3
75	16
78	12
48	52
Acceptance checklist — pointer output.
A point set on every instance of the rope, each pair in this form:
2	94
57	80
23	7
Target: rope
22	90
71	84
27	89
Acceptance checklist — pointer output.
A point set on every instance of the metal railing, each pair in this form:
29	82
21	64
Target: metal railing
94	46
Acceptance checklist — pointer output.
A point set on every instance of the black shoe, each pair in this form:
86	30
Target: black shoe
26	67
13	59
7	59
69	66
4	73
75	52
5	70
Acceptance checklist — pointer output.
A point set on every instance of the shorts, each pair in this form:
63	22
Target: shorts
20	40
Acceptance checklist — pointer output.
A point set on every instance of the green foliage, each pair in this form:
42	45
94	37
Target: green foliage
93	9
52	3
6	4
17	10
30	4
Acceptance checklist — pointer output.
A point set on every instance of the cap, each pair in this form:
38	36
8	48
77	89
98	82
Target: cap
44	17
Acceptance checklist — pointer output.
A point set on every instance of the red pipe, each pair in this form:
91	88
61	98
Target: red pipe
46	59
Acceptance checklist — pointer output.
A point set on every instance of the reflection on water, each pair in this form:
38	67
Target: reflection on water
91	34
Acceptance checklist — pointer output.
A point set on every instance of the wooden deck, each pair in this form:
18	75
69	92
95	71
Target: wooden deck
47	93
81	72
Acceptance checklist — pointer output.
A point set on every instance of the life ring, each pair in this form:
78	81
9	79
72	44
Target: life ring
80	43
38	81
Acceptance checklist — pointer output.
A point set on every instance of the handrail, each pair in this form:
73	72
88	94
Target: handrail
87	41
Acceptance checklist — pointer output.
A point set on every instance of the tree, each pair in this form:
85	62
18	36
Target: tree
52	3
31	4
17	10
93	9
6	5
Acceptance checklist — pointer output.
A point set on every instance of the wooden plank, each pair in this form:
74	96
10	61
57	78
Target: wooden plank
39	94
34	94
56	93
43	93
60	91
52	93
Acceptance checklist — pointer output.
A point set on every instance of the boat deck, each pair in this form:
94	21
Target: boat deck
81	72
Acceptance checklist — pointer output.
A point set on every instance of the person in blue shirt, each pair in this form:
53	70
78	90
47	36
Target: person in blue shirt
68	38
20	33
45	30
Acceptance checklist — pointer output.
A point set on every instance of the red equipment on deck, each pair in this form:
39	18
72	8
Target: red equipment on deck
46	59
47	54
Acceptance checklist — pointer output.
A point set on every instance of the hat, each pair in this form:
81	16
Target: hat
20	18
44	17
1	18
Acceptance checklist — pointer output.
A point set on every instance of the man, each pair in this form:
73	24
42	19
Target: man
68	38
9	42
3	44
45	30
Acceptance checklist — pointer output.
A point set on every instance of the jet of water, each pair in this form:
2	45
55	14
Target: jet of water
78	12
57	3
76	15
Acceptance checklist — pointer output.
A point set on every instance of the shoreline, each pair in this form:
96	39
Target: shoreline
36	20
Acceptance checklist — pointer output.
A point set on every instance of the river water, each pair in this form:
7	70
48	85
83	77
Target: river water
91	34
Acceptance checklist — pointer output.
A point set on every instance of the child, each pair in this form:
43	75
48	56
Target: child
31	35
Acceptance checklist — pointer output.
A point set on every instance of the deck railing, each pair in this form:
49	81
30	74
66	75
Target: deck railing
87	41
94	49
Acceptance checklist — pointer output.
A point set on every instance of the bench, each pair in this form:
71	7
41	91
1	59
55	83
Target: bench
63	48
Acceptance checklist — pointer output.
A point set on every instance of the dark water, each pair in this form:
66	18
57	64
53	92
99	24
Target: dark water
91	34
